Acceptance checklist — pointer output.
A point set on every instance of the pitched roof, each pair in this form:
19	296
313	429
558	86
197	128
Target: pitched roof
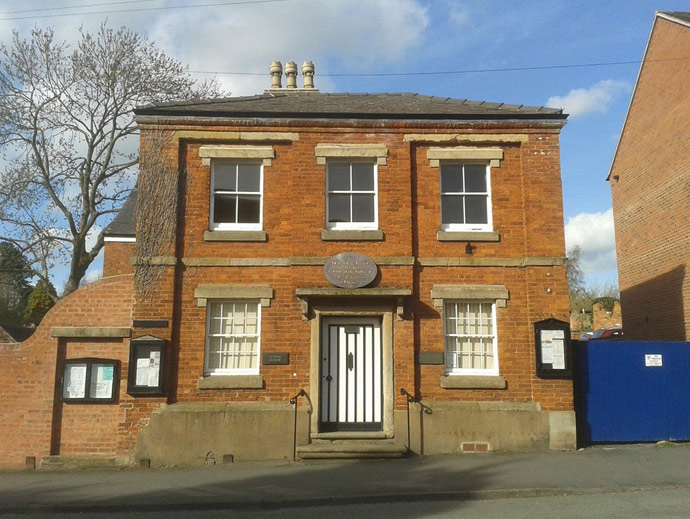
125	223
300	104
678	15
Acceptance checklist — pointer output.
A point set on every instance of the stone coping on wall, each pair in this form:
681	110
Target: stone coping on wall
473	382
231	382
86	332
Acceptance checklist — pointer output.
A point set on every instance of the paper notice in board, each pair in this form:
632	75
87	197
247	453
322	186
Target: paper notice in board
75	381
553	348
154	368
558	343
142	371
102	382
547	346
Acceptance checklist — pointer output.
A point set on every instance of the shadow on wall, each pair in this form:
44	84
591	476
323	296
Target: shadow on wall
654	310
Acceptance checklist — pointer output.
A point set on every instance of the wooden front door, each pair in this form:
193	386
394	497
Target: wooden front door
351	397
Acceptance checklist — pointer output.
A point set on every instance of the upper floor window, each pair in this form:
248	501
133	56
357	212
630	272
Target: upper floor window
465	197
352	198
236	195
470	336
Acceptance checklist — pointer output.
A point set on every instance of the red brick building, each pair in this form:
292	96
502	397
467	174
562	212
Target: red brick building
650	187
354	246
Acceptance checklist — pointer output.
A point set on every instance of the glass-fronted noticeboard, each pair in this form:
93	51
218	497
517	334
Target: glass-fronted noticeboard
146	367
553	350
90	380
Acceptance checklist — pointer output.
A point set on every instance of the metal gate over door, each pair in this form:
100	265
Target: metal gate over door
633	391
351	396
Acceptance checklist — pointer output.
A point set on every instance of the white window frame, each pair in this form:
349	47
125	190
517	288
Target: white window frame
353	225
207	346
488	226
225	226
449	366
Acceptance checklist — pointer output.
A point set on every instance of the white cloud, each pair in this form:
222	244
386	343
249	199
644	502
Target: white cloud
596	99
594	234
360	35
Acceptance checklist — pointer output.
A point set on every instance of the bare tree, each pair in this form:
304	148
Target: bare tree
68	138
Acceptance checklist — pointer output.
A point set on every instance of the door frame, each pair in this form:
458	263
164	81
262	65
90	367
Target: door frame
385	314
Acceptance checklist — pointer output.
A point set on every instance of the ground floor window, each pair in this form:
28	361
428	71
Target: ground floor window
233	337
470	338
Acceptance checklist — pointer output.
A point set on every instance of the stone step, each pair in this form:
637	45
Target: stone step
351	450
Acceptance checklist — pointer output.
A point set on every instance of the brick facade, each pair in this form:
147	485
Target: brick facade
650	187
525	259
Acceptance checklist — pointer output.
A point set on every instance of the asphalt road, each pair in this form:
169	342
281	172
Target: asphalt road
639	504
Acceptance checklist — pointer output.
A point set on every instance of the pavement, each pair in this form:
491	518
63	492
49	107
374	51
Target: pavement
275	485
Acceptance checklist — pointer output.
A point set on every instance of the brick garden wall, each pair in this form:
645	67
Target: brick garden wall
30	419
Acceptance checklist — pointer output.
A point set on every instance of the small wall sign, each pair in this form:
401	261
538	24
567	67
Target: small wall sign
653	361
275	359
350	270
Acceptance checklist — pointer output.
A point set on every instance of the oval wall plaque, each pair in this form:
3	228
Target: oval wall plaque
350	270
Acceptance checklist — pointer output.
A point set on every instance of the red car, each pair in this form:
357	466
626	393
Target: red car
615	332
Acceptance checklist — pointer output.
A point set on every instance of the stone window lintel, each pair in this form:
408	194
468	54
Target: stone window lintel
263	293
325	151
499	293
229	151
436	155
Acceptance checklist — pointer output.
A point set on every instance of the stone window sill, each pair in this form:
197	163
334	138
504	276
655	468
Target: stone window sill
235	236
473	382
468	236
351	234
231	382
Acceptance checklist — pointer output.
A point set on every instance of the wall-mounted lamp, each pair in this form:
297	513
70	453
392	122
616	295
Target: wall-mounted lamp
469	248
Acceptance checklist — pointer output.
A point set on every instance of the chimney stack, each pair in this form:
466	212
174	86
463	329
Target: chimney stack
291	74
290	70
276	74
308	73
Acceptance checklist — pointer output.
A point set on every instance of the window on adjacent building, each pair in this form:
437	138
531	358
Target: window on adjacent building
351	195
465	197
470	337
236	195
232	344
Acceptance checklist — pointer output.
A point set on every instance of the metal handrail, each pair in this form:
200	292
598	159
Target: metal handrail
409	399
293	401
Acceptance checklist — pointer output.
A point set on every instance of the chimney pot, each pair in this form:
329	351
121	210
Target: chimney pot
276	70
291	74
308	73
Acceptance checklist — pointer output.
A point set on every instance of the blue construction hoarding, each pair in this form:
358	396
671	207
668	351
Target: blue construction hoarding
633	391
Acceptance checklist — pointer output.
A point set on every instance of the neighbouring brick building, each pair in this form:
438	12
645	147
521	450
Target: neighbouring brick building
351	246
650	187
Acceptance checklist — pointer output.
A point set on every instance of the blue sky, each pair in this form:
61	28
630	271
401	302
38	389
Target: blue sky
413	36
